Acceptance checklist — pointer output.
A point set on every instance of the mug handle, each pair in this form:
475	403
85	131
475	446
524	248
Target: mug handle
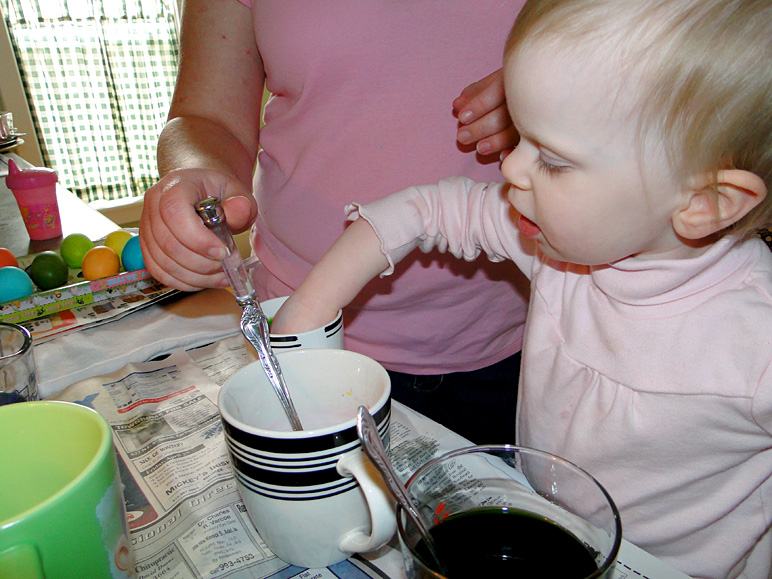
21	561
383	517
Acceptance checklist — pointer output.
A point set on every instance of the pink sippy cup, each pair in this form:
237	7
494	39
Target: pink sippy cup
35	192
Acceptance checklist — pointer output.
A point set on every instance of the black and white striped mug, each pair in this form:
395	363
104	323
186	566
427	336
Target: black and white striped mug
329	335
313	495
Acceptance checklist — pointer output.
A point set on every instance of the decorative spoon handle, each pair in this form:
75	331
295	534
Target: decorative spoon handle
212	215
254	322
374	449
254	326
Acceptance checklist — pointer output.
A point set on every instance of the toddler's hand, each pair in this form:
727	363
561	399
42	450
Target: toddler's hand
352	261
297	315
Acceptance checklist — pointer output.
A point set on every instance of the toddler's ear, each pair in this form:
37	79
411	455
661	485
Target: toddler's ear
711	206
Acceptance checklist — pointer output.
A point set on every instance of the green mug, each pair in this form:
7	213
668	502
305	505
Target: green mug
61	505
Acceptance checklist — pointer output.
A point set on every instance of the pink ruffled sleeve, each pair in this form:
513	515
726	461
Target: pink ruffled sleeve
457	216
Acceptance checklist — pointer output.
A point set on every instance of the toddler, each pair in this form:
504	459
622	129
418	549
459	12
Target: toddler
642	171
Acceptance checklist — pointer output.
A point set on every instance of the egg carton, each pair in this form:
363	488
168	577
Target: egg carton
73	295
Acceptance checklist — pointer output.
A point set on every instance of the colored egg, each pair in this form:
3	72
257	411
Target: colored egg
15	284
7	258
131	257
48	270
117	240
99	262
73	249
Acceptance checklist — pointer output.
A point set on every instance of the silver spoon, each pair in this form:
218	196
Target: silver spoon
374	449
254	322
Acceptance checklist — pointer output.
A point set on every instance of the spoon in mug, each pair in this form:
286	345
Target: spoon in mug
254	322
374	449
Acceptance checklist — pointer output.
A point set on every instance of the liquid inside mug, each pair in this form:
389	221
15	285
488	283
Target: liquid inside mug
313	495
62	513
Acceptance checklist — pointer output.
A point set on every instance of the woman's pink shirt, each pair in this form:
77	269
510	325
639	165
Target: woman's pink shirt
361	107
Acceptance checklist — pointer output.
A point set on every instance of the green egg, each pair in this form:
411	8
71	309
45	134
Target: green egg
74	247
48	270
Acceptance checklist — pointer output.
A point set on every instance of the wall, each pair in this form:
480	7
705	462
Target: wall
12	98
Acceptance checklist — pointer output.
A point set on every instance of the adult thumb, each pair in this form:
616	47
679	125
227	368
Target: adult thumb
240	212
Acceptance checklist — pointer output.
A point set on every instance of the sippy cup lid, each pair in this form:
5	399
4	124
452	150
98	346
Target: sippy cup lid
29	178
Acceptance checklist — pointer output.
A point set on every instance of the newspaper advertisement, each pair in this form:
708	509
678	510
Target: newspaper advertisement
185	516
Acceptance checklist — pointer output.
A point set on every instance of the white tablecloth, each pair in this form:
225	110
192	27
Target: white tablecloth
186	321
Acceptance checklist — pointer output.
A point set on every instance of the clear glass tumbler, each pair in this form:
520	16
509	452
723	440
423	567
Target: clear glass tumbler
508	511
17	365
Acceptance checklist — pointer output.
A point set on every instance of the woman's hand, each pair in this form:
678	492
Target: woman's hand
178	249
483	116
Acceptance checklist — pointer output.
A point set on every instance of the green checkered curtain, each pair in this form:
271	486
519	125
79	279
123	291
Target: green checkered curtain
99	76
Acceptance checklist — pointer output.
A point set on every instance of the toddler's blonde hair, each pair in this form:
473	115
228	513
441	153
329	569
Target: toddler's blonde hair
704	69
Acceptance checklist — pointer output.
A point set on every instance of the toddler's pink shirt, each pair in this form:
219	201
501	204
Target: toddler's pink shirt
652	375
362	107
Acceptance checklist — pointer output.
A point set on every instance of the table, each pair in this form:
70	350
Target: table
76	216
181	328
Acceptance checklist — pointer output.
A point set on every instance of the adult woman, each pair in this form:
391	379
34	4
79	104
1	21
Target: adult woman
361	102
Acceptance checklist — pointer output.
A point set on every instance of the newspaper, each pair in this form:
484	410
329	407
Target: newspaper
185	516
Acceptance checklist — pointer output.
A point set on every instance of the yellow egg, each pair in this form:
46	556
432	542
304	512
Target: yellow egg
117	239
100	261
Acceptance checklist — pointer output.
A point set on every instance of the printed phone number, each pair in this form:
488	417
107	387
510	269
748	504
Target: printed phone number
232	563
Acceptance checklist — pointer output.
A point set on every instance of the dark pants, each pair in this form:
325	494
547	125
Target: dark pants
478	405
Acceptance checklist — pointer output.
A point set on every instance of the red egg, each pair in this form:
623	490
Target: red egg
7	258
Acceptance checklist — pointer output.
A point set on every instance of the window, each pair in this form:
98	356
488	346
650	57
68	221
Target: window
98	76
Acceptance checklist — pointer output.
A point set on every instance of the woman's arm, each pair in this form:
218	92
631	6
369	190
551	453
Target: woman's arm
208	147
